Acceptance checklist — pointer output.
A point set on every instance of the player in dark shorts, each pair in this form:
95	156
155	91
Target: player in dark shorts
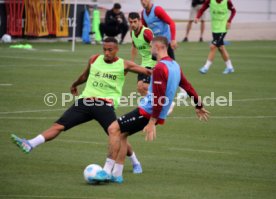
98	100
221	22
153	108
141	38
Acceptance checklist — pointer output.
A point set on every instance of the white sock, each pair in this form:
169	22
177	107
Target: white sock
37	141
134	159
207	64
118	170
228	64
108	166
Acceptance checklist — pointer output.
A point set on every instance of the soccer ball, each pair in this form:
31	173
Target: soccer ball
6	38
90	172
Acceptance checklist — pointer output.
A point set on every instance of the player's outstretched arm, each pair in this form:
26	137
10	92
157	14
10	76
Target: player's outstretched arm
131	66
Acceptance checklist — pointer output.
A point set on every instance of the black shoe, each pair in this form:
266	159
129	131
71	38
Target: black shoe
200	39
185	39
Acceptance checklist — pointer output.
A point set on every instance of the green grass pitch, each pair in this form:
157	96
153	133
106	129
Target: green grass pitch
233	156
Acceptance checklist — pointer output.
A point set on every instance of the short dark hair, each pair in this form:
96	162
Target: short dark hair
117	6
111	39
134	15
162	40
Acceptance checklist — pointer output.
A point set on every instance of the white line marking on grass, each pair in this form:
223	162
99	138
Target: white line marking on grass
229	117
61	197
58	50
202	151
32	111
5	84
41	66
28	118
254	99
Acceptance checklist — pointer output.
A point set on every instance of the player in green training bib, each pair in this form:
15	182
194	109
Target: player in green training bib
141	38
104	77
221	22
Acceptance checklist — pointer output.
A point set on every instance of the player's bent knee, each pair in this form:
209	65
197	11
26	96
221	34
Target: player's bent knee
114	129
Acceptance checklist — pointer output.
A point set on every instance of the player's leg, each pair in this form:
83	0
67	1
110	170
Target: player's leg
114	143
136	165
131	122
102	30
211	55
225	56
49	134
188	29
202	25
117	173
105	115
75	115
224	53
123	28
193	13
202	28
229	67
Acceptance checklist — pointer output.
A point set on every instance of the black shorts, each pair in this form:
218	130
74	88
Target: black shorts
171	52
84	110
218	39
132	122
144	78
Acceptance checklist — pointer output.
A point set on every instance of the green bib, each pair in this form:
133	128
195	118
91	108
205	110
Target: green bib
105	80
219	16
143	48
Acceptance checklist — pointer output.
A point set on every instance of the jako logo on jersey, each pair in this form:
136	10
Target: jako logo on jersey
106	75
141	47
218	12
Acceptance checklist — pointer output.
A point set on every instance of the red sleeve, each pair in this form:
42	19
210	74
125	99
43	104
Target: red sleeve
204	7
148	35
190	90
159	86
233	10
162	15
143	20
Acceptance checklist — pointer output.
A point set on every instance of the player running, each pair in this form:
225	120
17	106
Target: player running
104	77
219	10
167	76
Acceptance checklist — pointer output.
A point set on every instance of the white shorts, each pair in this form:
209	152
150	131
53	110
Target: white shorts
194	11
